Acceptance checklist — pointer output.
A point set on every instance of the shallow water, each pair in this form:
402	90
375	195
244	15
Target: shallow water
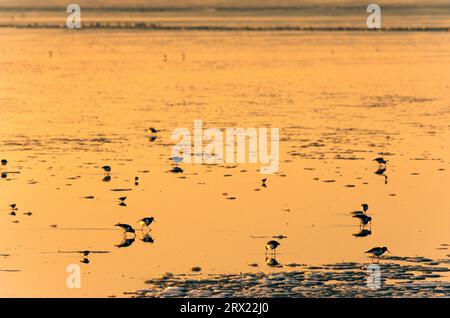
72	102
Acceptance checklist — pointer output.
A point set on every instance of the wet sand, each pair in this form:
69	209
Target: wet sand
337	280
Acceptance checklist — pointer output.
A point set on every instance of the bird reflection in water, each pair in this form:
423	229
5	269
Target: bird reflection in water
106	178
272	262
381	172
147	238
126	242
363	233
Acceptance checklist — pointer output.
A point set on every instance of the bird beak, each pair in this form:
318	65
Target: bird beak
388	251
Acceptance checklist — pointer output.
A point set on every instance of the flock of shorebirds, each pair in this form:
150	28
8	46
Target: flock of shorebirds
127	228
361	215
271	245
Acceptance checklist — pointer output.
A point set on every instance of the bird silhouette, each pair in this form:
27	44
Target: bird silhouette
272	246
377	252
106	169
146	221
126	228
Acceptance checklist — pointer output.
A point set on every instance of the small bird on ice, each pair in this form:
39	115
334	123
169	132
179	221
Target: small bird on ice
272	245
378	251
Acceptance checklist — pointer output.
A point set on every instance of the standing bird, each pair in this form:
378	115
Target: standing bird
13	206
107	169
4	162
272	245
152	130
378	251
365	219
126	228
146	222
380	161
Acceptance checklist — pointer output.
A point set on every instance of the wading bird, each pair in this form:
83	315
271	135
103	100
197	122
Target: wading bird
4	162
378	251
272	245
107	169
146	222
380	161
126	229
364	219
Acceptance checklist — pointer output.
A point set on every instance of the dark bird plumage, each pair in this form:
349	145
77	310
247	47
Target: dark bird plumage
106	169
272	245
126	228
378	251
146	221
363	218
380	160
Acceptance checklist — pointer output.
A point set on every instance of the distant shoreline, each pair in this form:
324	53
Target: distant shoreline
157	27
